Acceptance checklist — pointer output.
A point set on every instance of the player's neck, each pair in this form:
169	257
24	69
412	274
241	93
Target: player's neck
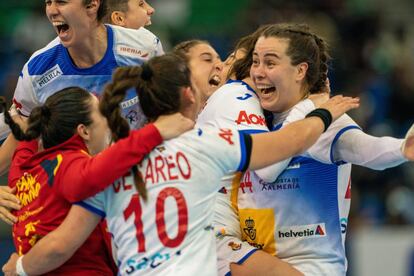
91	50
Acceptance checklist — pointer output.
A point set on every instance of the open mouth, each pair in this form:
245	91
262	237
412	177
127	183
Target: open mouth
215	80
267	89
61	27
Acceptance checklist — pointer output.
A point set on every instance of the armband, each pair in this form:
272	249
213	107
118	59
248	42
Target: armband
323	114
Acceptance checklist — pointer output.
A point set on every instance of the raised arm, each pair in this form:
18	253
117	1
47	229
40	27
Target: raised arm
270	173
296	137
95	173
56	247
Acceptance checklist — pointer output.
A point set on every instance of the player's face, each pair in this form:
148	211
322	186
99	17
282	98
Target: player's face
99	133
71	19
206	68
139	14
274	75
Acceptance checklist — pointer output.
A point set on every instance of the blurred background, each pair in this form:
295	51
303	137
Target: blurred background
372	43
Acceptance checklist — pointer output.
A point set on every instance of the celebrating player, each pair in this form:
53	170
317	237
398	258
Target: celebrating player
301	215
169	232
47	182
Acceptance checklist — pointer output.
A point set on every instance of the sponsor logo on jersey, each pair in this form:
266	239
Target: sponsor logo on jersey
303	231
246	96
288	183
348	190
344	225
250	119
150	262
131	52
227	135
293	166
246	183
48	77
132	116
129	102
28	189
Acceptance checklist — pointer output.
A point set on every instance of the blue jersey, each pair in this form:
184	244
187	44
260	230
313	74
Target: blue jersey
51	69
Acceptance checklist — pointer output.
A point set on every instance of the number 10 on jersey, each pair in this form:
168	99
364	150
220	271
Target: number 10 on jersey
134	207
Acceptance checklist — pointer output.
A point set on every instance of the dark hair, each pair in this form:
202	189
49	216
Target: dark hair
305	46
114	5
158	84
241	67
57	119
182	49
102	10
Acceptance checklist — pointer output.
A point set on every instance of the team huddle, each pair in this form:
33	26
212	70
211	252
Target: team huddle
123	159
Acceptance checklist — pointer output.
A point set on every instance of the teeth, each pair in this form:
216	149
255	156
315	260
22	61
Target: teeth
215	80
264	86
57	24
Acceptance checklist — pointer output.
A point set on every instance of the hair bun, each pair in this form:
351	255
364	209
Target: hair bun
146	73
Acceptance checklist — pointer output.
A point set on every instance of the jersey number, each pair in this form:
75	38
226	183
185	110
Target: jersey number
134	207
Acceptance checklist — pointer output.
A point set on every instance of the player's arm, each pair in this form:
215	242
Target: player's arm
296	137
24	100
94	174
378	153
270	173
58	246
6	153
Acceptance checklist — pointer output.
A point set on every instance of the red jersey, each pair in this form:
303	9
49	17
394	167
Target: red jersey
48	182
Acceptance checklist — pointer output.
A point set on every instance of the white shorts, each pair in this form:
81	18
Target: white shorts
231	250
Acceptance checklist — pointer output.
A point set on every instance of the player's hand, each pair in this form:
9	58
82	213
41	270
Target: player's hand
8	201
338	105
407	147
9	269
171	126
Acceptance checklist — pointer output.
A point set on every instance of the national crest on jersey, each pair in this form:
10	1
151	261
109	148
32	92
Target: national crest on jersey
306	206
51	69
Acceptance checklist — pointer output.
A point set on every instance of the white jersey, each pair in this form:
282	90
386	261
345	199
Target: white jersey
302	216
234	105
51	69
171	234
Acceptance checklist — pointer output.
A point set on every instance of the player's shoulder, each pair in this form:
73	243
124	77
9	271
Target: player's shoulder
44	59
201	135
133	37
237	91
234	94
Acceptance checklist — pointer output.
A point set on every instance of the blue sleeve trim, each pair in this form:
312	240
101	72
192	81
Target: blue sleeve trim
91	208
243	152
342	131
252	131
277	127
245	257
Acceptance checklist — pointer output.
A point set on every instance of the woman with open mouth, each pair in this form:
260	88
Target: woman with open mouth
301	214
84	54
